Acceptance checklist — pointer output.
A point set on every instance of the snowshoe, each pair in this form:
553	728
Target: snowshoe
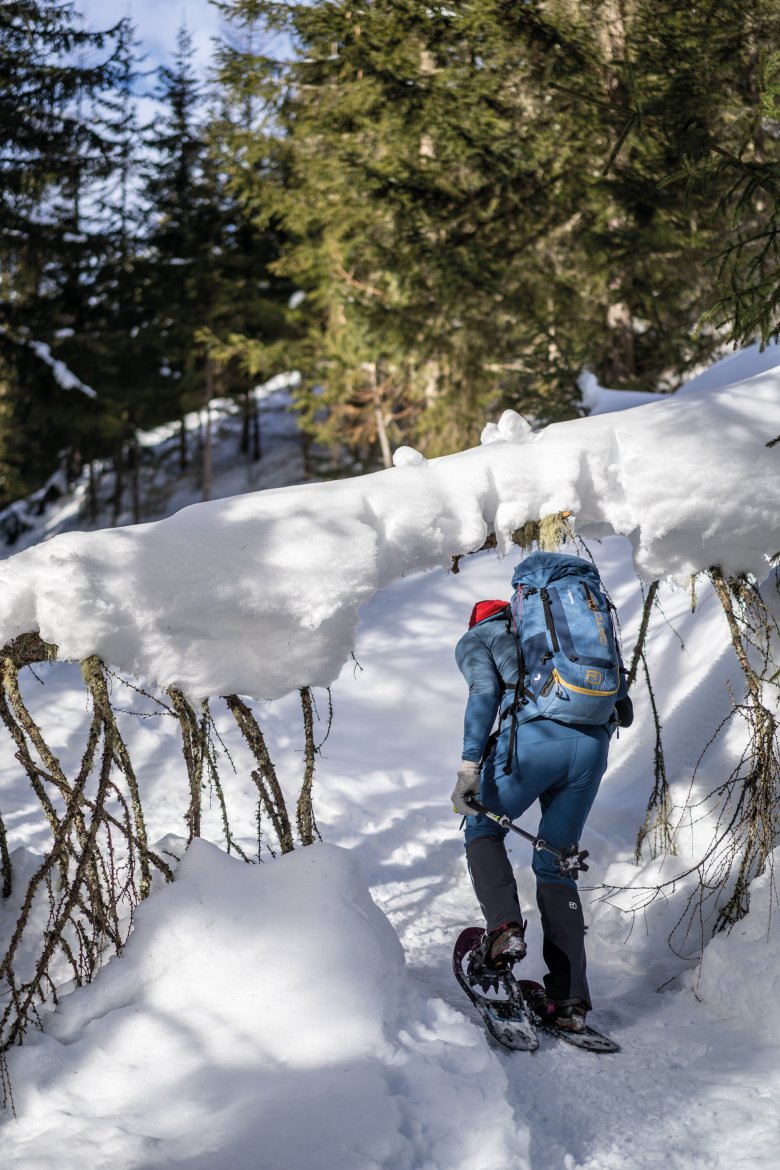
564	1019
504	1013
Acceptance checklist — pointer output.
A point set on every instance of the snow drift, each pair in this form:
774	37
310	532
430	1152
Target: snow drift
274	1001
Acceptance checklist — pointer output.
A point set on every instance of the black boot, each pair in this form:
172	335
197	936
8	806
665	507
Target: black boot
570	1014
567	1014
496	952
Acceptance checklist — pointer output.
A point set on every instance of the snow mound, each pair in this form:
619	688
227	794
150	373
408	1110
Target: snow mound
260	594
735	367
598	399
407	457
249	993
511	427
739	975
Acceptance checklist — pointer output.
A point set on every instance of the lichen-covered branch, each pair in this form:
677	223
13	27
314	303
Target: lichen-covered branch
85	892
265	778
744	808
210	758
194	751
639	649
307	826
657	825
15	1017
28	649
5	862
95	679
755	789
549	533
99	862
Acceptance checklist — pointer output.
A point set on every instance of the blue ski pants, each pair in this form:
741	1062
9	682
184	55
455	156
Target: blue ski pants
559	765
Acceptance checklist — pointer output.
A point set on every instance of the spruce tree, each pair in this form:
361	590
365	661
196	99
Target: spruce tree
250	327
118	343
424	188
670	103
482	197
713	73
182	198
102	301
48	155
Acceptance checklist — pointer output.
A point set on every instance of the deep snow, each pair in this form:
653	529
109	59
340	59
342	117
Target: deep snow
264	1017
211	1044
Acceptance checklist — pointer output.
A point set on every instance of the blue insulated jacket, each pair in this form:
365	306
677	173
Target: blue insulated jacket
487	658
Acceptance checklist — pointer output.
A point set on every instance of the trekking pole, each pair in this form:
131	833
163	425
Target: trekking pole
568	861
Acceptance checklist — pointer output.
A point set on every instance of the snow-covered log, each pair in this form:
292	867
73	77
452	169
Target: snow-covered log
261	594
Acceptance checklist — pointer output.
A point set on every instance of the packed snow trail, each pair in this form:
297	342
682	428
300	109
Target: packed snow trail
698	1072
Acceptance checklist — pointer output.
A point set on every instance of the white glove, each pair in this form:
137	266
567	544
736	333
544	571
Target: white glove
466	787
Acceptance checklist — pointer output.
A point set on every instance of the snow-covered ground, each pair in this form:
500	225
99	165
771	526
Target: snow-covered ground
58	508
302	1012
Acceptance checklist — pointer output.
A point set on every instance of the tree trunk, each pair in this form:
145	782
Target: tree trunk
92	494
207	441
119	485
135	477
379	415
621	358
256	450
620	366
246	407
183	447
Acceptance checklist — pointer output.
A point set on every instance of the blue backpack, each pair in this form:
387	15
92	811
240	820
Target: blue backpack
567	643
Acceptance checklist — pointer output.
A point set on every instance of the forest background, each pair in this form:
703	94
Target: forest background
431	211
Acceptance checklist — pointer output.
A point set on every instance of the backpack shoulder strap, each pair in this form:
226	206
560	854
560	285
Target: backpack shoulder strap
514	619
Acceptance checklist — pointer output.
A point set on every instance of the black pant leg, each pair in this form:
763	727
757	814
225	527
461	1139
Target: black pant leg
563	924
493	881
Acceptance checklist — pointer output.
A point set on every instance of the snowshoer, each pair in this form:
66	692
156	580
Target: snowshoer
511	661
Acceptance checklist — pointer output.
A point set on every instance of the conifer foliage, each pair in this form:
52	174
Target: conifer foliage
432	210
482	197
49	151
126	264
